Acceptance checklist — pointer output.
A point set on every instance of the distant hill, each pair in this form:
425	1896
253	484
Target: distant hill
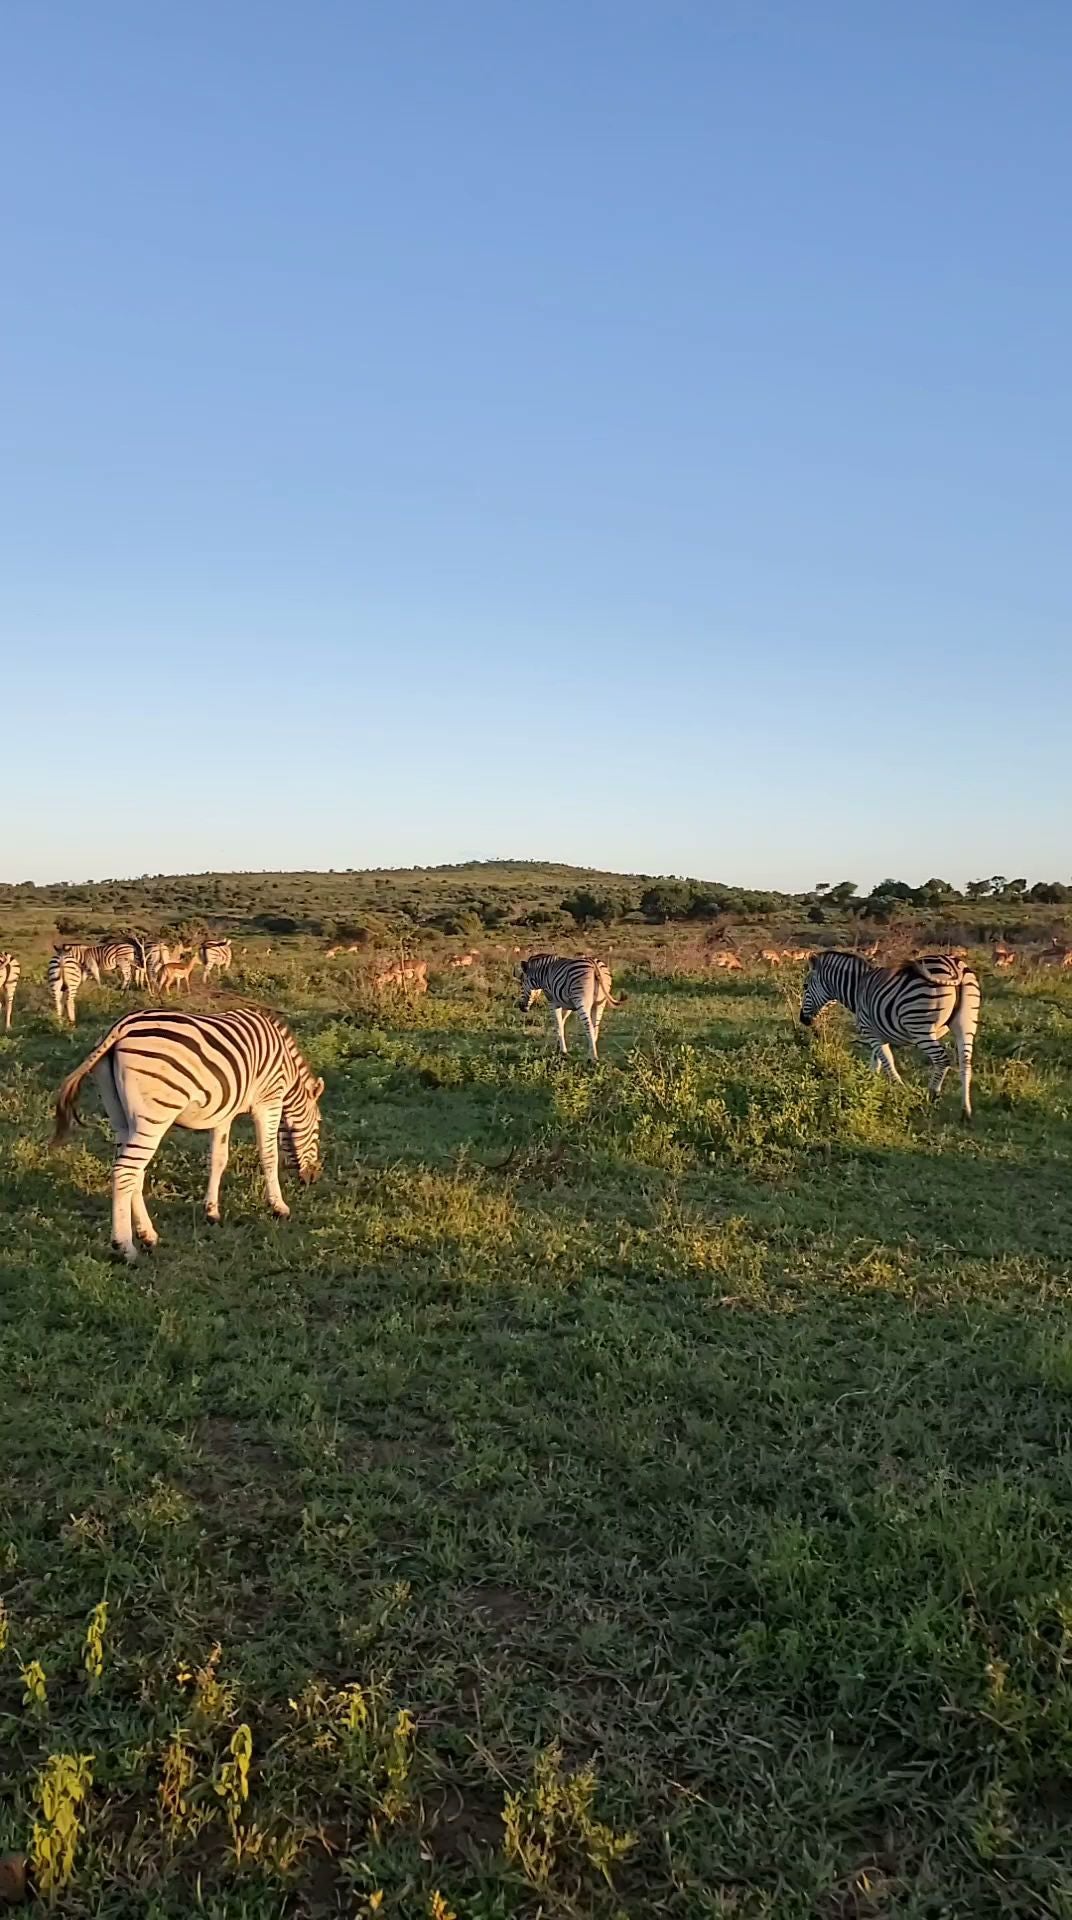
485	895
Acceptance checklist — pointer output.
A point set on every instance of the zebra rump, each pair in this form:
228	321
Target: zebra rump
569	986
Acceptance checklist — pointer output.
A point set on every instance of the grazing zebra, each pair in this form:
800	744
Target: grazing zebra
118	956
9	980
111	956
214	953
160	1069
569	986
67	968
916	1002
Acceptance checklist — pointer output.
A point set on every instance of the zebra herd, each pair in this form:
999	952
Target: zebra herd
154	964
161	1068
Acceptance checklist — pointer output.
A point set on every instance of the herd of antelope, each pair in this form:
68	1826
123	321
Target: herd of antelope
168	968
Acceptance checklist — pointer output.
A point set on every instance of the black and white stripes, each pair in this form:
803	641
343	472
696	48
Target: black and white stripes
569	986
67	968
155	1070
215	955
915	1003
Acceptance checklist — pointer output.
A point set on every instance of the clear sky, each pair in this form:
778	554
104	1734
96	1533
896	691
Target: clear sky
632	433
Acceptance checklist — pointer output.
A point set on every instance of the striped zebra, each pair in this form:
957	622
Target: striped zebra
157	955
111	956
155	1070
9	980
117	956
67	968
569	986
916	1002
214	954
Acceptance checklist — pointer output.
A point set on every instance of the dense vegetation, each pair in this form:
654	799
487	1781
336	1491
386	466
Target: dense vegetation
538	900
622	1492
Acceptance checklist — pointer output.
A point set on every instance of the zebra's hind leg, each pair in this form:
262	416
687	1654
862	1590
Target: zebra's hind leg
128	1181
9	1002
938	1055
71	996
266	1126
561	1014
113	1106
592	1025
221	1139
143	1226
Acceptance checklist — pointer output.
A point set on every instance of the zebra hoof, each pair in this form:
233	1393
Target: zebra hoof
128	1255
213	1219
281	1213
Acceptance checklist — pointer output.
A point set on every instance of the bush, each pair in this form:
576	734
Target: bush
588	908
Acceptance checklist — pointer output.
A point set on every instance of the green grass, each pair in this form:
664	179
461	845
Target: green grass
641	1491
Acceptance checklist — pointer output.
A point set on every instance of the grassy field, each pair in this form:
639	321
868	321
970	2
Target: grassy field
622	1492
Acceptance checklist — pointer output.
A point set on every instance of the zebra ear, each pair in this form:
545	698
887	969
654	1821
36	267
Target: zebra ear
318	1088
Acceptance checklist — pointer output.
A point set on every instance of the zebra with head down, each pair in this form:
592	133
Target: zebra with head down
916	1003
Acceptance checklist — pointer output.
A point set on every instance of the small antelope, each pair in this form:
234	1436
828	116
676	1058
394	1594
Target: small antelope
404	973
867	949
1056	957
771	956
1003	957
731	962
463	960
176	973
793	955
9	980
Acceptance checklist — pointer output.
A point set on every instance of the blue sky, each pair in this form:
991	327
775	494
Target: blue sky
627	433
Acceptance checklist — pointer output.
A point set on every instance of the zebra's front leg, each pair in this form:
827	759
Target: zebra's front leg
882	1060
561	1014
266	1125
937	1054
217	1167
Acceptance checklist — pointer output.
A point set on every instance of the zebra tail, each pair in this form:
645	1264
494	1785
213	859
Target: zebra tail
965	1016
67	1114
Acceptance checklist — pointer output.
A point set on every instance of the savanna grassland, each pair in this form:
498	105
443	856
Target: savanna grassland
632	1491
